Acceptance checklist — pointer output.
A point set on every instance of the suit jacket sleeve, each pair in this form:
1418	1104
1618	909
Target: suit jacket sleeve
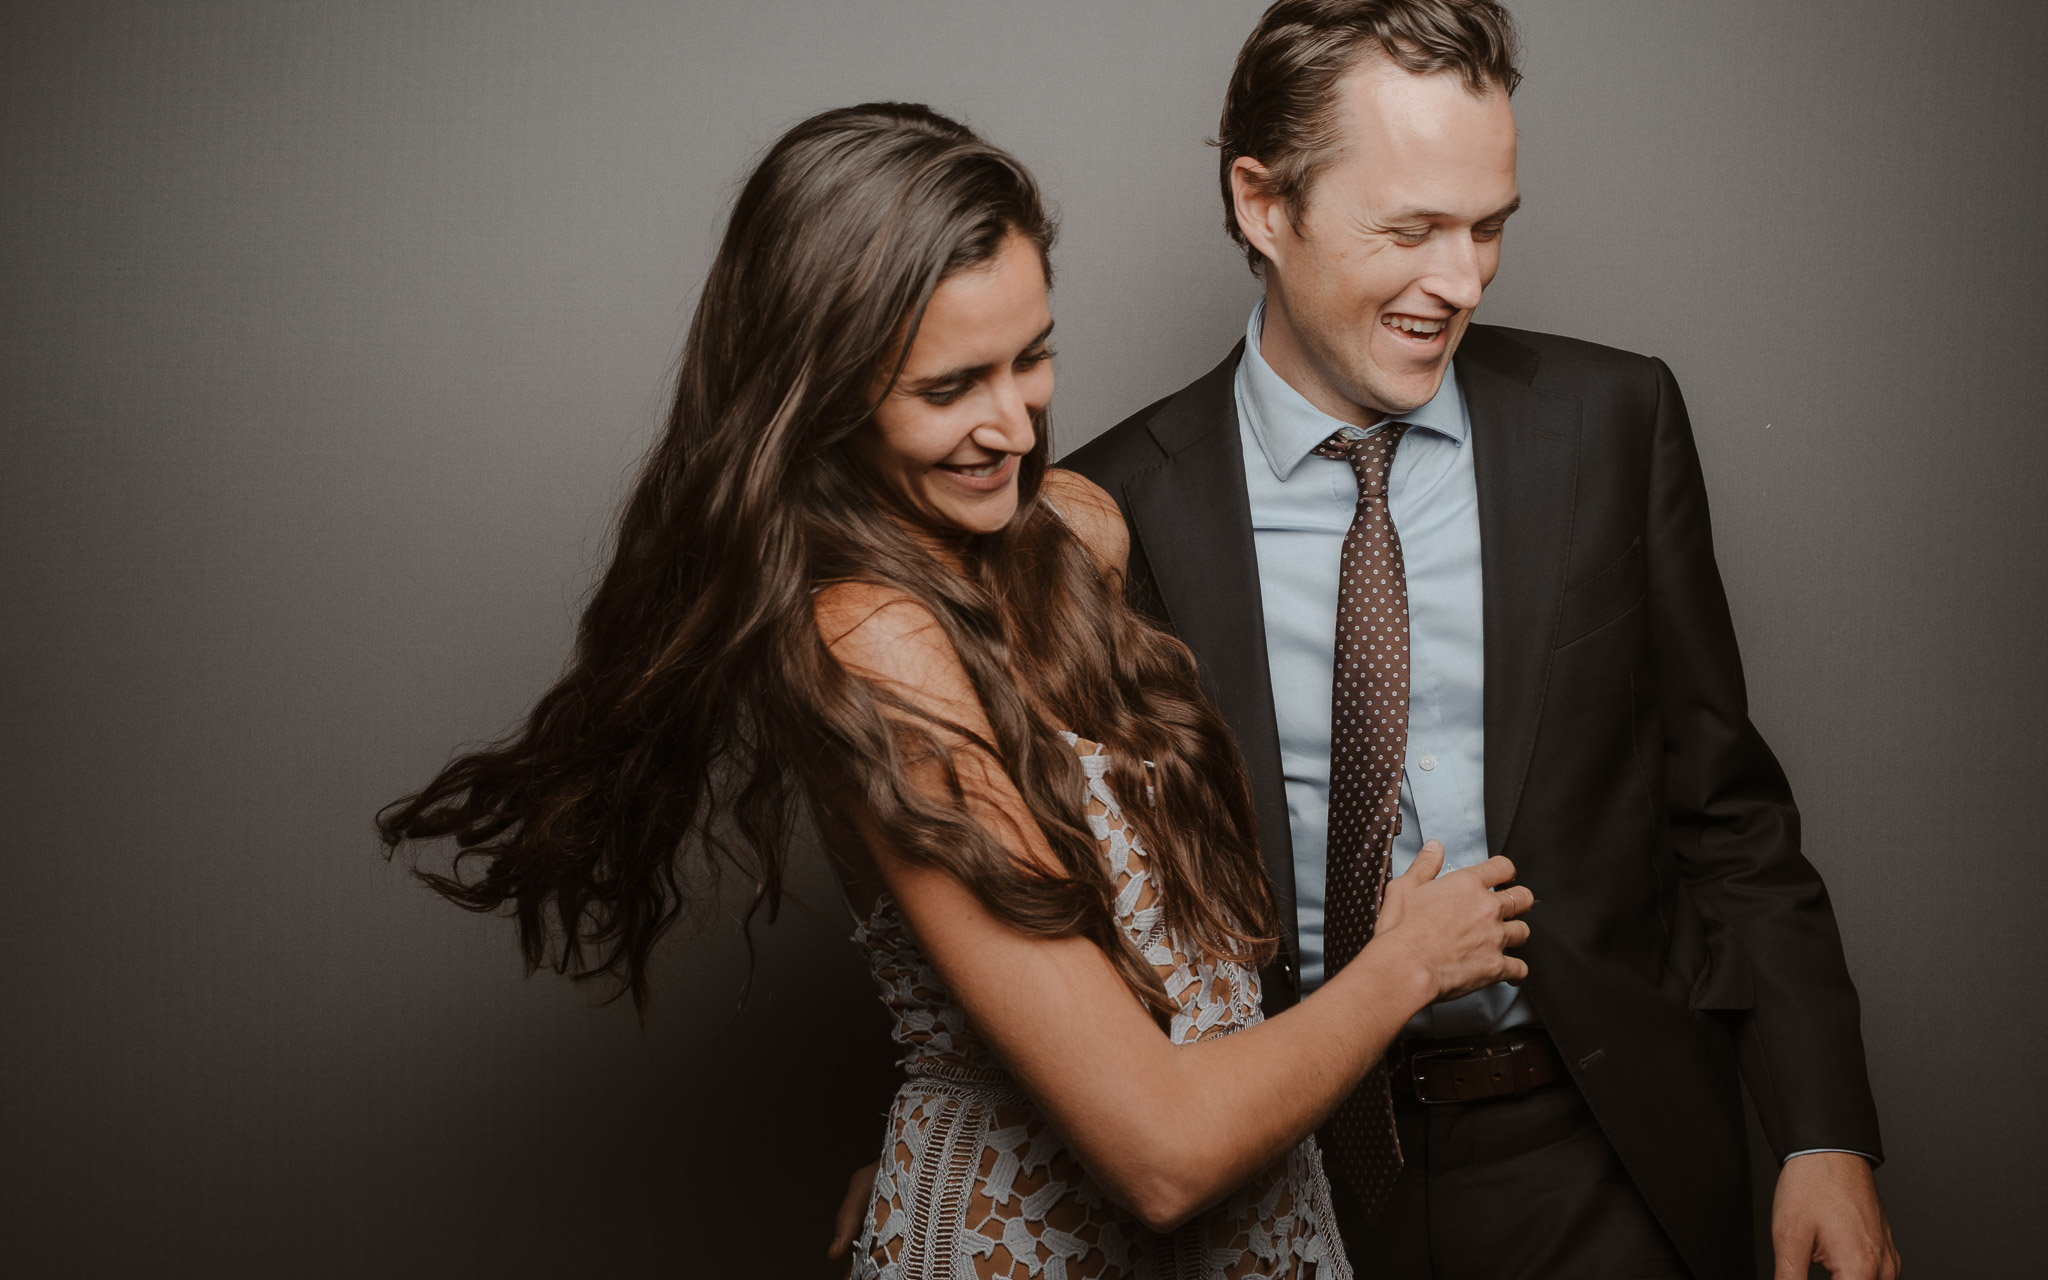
1777	964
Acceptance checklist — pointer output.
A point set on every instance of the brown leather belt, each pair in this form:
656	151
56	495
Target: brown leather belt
1472	1070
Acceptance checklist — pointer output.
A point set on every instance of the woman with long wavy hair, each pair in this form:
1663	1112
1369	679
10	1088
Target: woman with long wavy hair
848	590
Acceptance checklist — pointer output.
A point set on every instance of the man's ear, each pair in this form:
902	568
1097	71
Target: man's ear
1261	216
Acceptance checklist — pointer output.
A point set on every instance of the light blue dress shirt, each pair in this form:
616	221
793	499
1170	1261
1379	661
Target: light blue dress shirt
1301	506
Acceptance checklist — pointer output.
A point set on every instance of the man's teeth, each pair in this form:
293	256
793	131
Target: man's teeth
1414	325
981	472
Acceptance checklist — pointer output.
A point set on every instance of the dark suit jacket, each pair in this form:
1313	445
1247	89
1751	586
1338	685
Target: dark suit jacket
1679	927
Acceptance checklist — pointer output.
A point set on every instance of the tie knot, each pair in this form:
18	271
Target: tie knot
1371	456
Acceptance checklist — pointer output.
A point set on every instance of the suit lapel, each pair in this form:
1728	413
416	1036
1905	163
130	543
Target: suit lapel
1525	460
1193	522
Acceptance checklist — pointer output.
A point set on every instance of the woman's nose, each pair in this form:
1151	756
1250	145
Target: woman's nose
1009	428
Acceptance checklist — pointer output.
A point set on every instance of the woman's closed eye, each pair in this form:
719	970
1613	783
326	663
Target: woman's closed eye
950	390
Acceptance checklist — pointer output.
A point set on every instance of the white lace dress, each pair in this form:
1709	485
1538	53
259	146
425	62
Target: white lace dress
974	1182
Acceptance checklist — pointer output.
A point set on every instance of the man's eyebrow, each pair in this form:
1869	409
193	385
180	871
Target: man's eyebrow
1431	215
967	373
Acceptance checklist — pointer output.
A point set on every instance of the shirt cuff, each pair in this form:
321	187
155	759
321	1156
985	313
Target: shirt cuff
1813	1151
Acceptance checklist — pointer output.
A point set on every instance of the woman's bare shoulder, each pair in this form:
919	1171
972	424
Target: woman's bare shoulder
884	634
1094	517
877	626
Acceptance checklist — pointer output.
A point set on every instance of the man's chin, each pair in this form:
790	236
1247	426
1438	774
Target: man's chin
1409	391
1405	385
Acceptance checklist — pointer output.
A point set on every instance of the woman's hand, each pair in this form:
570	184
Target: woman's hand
1455	927
859	1189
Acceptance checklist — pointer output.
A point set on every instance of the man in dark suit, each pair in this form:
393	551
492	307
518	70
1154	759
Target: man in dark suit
1560	644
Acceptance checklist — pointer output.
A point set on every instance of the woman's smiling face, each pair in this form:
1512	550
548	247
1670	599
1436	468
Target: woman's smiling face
948	437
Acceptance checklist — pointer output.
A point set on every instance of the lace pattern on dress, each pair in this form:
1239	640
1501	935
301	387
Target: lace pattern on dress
975	1183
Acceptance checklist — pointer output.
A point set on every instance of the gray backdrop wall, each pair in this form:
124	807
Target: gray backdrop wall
332	332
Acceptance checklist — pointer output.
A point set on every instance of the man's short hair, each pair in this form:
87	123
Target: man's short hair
1281	106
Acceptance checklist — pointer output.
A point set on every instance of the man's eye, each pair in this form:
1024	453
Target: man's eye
1488	233
1411	237
941	395
1032	359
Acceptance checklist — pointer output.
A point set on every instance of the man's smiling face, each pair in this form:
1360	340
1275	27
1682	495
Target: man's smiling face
1369	292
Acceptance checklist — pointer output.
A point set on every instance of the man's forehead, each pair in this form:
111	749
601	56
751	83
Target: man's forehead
1422	147
1380	106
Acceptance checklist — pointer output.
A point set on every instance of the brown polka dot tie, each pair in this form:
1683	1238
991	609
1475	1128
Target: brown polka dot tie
1368	742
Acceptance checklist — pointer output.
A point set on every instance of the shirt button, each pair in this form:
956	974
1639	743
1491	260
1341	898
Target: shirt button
1427	762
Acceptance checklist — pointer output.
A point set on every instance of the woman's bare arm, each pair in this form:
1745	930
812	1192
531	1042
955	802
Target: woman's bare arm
1165	1129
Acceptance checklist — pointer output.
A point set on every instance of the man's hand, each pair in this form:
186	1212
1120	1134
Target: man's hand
847	1224
1826	1211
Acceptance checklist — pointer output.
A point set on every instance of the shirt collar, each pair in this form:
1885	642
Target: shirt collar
1288	427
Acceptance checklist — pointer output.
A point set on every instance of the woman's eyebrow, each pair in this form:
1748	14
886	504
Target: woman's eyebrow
967	373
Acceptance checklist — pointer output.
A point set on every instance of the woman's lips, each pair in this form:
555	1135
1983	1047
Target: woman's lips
982	477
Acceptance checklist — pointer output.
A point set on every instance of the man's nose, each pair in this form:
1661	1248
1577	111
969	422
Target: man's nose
1460	275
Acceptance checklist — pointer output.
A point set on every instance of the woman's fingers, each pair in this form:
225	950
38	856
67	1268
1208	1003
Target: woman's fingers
1427	863
1493	871
846	1224
1459	923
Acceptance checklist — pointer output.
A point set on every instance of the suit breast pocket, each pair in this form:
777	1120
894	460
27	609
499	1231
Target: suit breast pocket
1607	595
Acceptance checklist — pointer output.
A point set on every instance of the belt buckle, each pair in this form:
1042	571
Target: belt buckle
1476	1054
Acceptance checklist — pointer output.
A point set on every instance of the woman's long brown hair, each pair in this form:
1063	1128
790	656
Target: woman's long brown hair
702	711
